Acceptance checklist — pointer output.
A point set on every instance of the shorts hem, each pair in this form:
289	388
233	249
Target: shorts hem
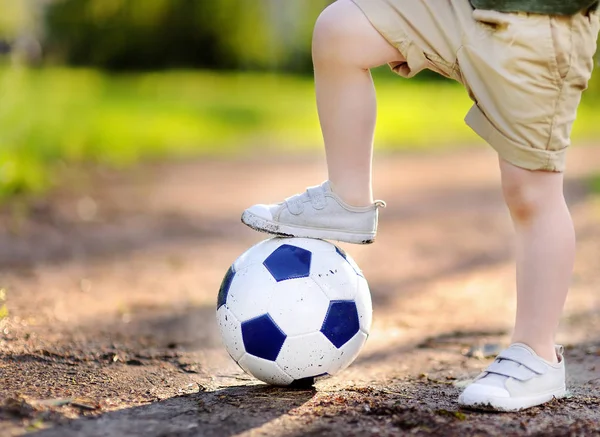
520	155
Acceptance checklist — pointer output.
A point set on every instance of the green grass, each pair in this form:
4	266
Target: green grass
59	115
3	308
595	184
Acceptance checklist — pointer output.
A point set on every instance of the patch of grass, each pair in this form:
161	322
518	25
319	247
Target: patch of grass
595	184
454	414
57	115
36	425
3	307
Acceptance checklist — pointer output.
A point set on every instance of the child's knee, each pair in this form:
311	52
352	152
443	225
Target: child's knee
527	193
343	35
521	199
331	32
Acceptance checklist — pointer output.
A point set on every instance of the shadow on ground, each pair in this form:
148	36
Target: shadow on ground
221	413
409	405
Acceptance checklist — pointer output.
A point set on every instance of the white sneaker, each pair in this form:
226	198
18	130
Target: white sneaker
317	213
516	380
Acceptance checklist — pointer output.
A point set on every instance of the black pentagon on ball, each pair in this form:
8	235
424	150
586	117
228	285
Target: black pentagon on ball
225	286
288	262
341	322
262	337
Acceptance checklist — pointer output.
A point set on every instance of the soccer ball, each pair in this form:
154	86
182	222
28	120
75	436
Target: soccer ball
293	309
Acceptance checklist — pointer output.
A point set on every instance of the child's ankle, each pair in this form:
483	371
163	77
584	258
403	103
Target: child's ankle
544	351
353	197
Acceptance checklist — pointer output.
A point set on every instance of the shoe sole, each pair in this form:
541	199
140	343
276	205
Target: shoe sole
270	227
509	404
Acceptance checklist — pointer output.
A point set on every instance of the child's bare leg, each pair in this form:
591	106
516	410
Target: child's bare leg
545	253
345	47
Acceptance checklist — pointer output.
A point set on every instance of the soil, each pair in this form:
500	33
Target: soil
110	285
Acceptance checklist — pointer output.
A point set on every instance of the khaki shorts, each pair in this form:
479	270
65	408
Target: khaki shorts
525	72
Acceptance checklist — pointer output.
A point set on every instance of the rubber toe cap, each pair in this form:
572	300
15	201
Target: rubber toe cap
261	211
477	394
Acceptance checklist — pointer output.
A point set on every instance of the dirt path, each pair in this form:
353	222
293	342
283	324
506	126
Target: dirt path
111	291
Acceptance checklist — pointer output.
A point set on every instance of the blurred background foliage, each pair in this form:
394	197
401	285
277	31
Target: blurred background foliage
151	34
119	81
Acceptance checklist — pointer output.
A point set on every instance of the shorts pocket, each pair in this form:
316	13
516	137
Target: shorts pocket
562	40
493	20
521	41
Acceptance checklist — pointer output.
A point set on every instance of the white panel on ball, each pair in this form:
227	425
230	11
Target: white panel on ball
298	306
364	305
231	332
355	266
257	253
308	355
348	352
266	371
334	275
250	292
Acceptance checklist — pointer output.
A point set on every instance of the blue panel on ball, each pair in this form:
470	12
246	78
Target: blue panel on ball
262	337
288	262
341	322
343	254
341	251
225	285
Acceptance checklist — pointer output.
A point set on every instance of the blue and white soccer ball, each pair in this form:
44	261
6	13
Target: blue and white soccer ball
293	309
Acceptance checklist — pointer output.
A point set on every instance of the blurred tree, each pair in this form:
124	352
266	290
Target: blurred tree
149	34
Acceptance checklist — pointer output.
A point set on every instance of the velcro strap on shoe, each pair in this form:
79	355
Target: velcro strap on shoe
295	205
524	357
317	198
510	369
